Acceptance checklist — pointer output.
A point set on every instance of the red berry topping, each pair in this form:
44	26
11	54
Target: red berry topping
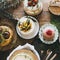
49	32
35	1
29	3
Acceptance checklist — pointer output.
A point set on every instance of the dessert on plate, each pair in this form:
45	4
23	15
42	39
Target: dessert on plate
23	54
26	26
6	35
32	7
48	34
54	7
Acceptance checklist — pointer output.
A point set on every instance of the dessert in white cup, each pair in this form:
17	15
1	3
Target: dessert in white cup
32	7
26	26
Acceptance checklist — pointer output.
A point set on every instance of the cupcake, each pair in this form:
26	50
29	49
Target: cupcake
23	54
32	7
6	35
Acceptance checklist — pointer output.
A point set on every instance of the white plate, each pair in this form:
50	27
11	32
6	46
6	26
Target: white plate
49	26
26	46
34	32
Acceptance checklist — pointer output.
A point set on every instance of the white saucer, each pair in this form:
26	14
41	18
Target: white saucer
36	30
49	26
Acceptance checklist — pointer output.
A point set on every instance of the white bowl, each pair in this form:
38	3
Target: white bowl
26	46
30	34
51	27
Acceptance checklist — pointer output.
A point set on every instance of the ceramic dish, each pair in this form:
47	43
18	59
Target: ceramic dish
54	7
30	34
34	9
48	26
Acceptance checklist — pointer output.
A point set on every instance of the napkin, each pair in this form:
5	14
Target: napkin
27	46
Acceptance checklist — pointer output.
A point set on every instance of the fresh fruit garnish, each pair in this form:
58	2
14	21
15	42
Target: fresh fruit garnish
6	35
0	30
25	26
49	32
29	3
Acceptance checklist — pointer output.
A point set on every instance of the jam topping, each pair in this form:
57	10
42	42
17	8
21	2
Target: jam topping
49	32
6	34
32	2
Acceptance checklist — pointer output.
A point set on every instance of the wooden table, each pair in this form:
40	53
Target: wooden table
43	17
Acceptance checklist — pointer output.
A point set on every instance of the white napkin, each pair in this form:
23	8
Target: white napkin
55	3
27	46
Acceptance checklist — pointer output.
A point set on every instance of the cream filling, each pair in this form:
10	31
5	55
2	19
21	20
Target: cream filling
22	56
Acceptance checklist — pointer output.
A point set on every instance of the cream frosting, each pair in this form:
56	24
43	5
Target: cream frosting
29	31
22	56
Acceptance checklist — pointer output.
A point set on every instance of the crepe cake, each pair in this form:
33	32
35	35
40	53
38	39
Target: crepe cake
23	54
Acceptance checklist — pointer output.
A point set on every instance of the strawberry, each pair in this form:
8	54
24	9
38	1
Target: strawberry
35	1
29	3
49	32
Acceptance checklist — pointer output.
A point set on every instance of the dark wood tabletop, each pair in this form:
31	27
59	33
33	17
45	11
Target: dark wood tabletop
43	18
